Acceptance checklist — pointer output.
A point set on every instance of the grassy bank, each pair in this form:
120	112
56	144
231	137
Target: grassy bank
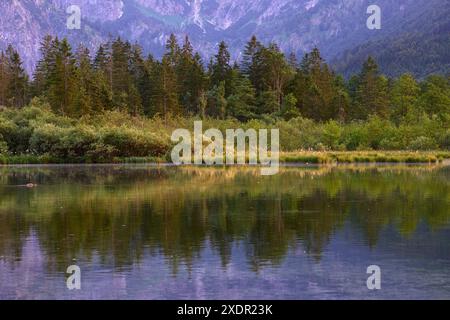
45	159
325	157
305	157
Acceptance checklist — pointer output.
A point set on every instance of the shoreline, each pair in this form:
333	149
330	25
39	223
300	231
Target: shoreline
293	157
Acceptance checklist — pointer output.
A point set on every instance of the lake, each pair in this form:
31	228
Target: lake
163	232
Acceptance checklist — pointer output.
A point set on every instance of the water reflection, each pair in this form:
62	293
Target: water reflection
120	217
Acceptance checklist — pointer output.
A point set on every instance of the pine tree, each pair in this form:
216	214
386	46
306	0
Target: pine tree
45	66
276	72
319	95
198	83
341	101
172	51
372	92
241	103
17	88
85	85
103	63
138	72
220	68
289	108
4	79
62	79
435	96
164	91
292	61
186	85
248	58
121	80
404	97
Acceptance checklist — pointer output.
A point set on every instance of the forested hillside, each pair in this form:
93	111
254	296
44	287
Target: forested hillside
421	46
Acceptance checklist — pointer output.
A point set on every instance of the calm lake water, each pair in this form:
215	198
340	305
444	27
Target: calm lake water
150	232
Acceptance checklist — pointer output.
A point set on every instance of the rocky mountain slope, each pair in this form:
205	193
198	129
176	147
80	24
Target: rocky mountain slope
296	25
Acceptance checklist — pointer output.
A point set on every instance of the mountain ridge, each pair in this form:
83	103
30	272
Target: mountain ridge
335	26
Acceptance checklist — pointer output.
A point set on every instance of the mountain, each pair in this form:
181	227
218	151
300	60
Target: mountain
421	46
335	26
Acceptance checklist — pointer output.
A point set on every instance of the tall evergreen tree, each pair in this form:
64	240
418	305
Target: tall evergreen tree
191	78
45	66
18	79
276	72
372	91
404	97
241	103
220	68
321	90
435	96
4	79
62	78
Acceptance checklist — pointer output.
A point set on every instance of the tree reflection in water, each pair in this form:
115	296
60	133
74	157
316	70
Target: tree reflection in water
121	213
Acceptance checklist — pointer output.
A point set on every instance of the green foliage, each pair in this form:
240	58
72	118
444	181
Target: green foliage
14	86
119	104
355	137
331	134
404	97
40	132
307	134
133	142
3	146
289	107
423	143
118	77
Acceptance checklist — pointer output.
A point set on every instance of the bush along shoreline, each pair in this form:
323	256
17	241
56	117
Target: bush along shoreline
35	134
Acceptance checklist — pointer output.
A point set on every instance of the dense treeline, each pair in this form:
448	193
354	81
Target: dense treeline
264	83
305	97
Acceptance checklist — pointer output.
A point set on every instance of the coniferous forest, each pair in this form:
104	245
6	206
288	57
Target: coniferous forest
117	102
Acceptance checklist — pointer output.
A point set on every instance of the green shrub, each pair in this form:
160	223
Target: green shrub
45	139
423	143
391	143
131	142
35	133
65	143
444	141
76	142
100	153
298	133
331	134
354	137
3	146
378	129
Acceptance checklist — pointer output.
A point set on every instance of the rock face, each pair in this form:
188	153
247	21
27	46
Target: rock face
296	25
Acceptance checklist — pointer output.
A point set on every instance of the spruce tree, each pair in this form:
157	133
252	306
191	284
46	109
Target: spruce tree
372	92
18	79
220	68
4	79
